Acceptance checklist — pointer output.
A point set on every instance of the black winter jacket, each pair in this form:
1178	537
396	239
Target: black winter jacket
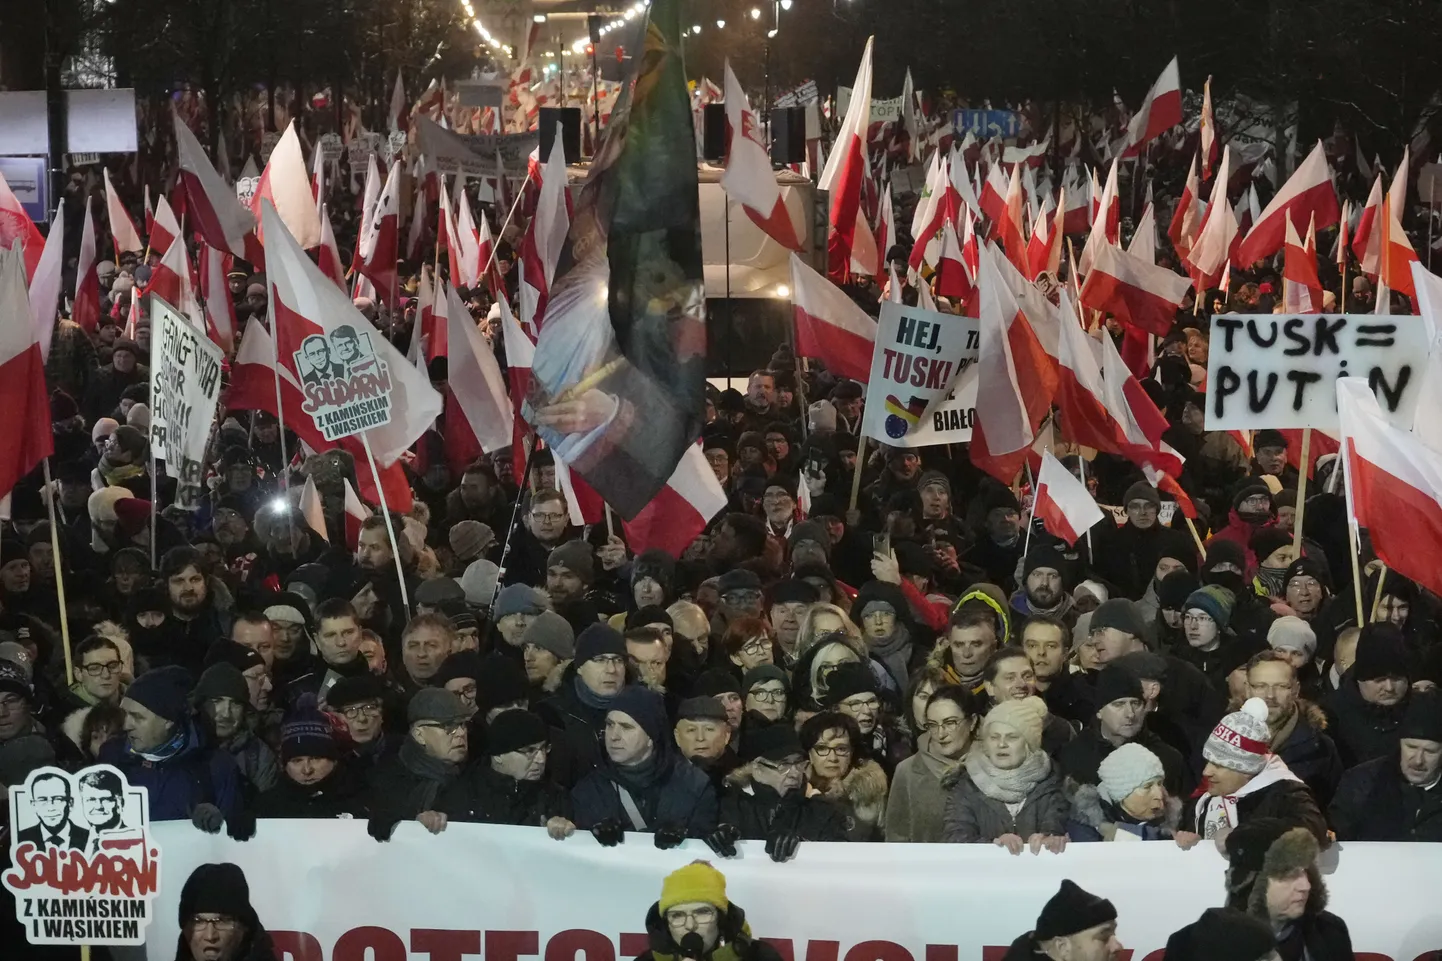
1375	803
759	813
679	797
338	796
1080	759
1363	731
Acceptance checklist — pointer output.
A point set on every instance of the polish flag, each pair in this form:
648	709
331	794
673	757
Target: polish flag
1167	484
475	378
132	316
1144	238
1159	112
1062	502
546	235
417	227
27	439
1134	290
1043	251
845	170
329	253
952	279
317	176
885	230
163	228
1106	228
370	196
1308	193
1397	193
85	309
355	514
149	214
303	301
1079	389
931	212
993	198
214	211
468	240
1010	230
17	227
520	355
1367	240
122	228
1395	271
1302	293
171	281
1186	223
748	179
893	287
46	283
399	117
1209	255
219	308
829	324
681	510
380	237
1077	218
312	509
1394	485
1208	131
253	378
1339	249
490	270
285	182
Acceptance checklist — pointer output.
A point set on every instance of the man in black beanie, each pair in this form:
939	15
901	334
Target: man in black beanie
1119	717
1396	797
512	786
1365	713
1127	556
1222	933
1074	925
1047	579
362	703
217	921
579	707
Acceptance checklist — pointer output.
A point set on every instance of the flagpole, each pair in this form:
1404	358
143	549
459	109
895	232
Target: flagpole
1082	464
279	411
1302	489
1377	597
1031	519
1343	306
496	243
511	529
1201	548
59	566
390	526
730	314
856	472
1352	538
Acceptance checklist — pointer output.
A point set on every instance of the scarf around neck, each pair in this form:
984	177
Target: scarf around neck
434	774
1008	787
588	697
894	653
1273	580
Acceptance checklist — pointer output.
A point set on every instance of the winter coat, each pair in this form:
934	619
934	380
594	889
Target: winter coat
1311	754
1363	731
1317	935
759	813
1080	760
1374	802
500	799
578	749
1067	698
197	774
917	803
1239	532
398	793
1273	793
1127	556
735	942
861	795
337	796
255	760
680	797
1093	819
974	818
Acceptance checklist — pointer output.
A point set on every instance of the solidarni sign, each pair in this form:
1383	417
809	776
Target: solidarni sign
326	891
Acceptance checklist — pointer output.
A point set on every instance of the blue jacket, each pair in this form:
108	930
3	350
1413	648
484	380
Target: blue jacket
681	796
196	774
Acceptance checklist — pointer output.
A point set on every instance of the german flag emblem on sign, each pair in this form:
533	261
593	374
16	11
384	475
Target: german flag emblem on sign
902	417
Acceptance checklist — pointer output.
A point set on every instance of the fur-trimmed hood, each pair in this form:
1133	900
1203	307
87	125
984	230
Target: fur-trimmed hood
1310	712
552	682
864	788
1088	808
1296	848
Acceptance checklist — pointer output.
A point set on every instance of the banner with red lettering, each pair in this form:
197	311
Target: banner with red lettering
328	892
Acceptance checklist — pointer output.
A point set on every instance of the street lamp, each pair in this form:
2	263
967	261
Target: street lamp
720	24
755	13
696	29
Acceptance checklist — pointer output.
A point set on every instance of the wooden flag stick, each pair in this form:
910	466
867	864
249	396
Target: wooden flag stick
1356	570
1377	597
390	526
856	474
51	494
1201	548
1302	490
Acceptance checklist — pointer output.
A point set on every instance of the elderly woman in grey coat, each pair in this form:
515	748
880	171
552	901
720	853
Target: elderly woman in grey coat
1007	793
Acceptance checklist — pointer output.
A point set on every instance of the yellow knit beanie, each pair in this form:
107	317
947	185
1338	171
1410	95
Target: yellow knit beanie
696	882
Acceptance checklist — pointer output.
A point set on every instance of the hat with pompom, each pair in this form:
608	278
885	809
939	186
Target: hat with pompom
1241	741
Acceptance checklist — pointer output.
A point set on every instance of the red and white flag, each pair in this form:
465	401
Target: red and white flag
681	510
285	182
377	248
1080	392
829	325
845	170
1210	148
993	198
1134	290
355	514
312	509
1159	112
1395	270
1144	239
1209	255
210	204
1394	485
328	253
85	309
17	227
122	228
253	379
1106	227
171	281
46	282
885	230
546	235
475	378
1010	230
1308	193
149	213
27	438
748	179
930	211
317	176
1302	293
1367	239
490	270
1062	502
1397	192
370	196
219	308
398	118
468	242
1077	215
164	228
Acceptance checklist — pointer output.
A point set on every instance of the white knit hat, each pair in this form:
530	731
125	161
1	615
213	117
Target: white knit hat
1291	633
1241	740
1126	769
1027	715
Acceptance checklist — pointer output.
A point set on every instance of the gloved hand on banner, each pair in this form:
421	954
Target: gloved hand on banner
241	826
380	828
723	840
609	833
208	818
782	846
669	836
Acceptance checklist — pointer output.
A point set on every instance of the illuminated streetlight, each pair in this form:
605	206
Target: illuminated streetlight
720	24
755	13
785	4
696	28
783	291
771	33
541	17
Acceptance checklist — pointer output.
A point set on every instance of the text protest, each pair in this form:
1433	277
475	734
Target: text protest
347	387
918	359
184	387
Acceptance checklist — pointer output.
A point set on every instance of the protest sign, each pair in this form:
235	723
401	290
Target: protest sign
184	387
882	111
476	155
245	188
330	146
1277	370
267	145
918	357
952	420
86	869
347	387
799	96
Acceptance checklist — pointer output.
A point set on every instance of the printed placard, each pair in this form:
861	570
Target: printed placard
330	146
347	387
85	868
245	188
1278	370
185	374
918	359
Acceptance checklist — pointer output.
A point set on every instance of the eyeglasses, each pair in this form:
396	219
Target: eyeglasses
741	597
768	697
609	660
467	693
948	724
756	646
357	711
696	918
781	767
445	727
550	517
840	750
221	925
52	801
868	702
535	751
95	670
1198	619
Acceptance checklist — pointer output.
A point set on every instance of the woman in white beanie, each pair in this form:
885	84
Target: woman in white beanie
1006	792
1129	803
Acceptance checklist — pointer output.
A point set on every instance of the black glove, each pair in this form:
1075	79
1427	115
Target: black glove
241	826
669	836
609	833
380	828
782	845
208	818
723	840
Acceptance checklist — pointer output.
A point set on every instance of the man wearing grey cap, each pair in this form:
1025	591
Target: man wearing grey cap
516	606
424	780
547	644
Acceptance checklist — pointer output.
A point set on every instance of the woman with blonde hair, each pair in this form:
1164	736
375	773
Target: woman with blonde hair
819	621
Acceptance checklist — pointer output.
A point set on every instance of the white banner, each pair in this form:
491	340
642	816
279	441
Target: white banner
919	356
951	422
184	387
1276	370
328	892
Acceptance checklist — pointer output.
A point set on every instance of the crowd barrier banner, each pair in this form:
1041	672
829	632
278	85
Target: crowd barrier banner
328	892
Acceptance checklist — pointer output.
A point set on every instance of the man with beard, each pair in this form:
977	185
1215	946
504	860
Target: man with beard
1127	556
1298	727
903	471
1396	797
1047	580
192	622
1366	711
1119	717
